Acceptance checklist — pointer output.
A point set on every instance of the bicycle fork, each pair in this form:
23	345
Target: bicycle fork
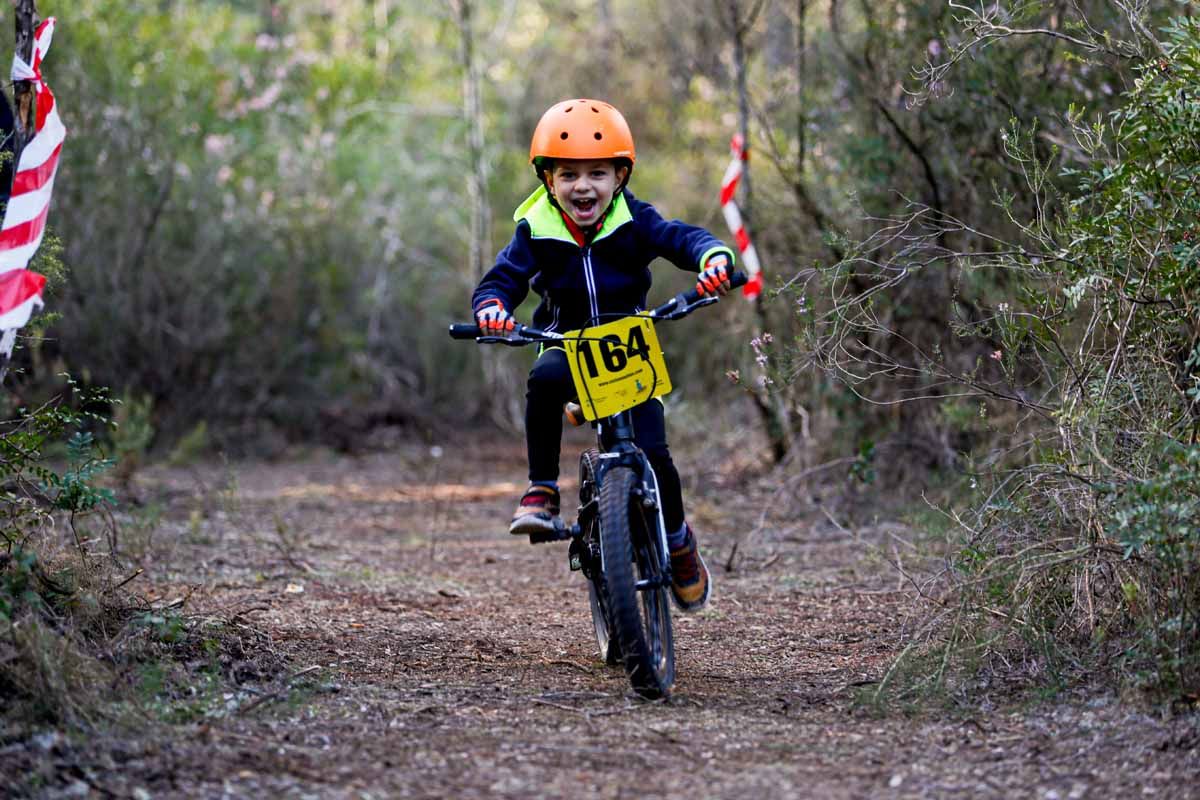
650	502
618	448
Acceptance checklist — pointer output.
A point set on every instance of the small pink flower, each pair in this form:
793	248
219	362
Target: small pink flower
734	376
997	355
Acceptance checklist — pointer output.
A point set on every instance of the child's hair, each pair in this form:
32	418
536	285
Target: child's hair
584	130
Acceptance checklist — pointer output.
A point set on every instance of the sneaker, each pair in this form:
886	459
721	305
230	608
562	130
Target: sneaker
537	512
690	583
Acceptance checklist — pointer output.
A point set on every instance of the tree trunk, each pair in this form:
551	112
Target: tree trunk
27	20
771	405
382	9
26	16
801	69
608	47
502	386
477	180
739	61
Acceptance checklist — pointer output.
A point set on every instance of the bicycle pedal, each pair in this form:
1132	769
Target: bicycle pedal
558	533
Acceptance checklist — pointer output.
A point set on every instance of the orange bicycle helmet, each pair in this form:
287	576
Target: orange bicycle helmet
581	129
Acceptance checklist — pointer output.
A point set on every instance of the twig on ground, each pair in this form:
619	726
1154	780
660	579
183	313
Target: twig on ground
136	573
609	711
732	555
588	714
552	704
275	695
835	523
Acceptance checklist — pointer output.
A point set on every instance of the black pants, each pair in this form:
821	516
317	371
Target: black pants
550	386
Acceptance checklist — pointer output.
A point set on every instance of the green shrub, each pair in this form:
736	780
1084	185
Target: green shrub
1076	556
55	593
1157	521
78	649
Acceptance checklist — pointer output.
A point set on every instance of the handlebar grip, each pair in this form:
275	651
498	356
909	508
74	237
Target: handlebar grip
465	331
737	279
685	299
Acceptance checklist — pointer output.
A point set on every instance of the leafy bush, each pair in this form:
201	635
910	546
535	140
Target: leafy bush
1156	520
1112	327
56	562
78	648
1078	557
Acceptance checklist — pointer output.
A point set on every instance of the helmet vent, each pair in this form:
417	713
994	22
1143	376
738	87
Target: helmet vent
567	110
563	135
595	110
599	136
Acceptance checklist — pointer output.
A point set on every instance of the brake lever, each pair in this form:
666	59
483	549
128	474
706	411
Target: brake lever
680	313
508	341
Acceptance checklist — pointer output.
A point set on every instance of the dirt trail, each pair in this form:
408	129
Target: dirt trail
439	657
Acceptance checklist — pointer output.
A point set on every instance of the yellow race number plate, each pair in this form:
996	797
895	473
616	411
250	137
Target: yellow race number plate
616	366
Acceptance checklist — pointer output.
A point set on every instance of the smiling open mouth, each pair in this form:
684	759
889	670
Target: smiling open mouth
584	206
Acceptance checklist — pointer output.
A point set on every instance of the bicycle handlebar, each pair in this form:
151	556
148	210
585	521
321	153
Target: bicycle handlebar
685	300
462	330
678	306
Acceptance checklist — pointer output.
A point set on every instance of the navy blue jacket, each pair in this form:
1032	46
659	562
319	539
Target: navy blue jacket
609	275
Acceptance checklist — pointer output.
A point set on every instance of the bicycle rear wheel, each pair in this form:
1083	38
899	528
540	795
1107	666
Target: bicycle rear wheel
641	617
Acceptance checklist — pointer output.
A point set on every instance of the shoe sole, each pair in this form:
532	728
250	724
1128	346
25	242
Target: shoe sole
532	523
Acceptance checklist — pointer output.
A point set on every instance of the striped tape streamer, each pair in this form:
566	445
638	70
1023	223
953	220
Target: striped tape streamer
733	218
25	219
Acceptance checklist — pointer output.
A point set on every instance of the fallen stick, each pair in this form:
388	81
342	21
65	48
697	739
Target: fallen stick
275	695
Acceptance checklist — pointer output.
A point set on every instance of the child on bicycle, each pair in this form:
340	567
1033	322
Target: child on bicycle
584	243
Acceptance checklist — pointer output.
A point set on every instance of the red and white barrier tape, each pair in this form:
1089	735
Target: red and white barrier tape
25	219
733	218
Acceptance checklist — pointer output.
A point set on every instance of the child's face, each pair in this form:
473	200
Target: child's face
584	189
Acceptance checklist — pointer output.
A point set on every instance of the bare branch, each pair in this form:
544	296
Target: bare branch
984	26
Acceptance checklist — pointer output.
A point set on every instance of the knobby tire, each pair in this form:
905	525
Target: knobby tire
642	620
606	638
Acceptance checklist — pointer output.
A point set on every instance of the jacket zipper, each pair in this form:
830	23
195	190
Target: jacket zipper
590	280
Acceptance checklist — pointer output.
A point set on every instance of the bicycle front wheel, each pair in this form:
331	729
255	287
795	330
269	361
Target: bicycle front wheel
589	520
640	615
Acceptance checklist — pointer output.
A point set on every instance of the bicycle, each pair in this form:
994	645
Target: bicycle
619	540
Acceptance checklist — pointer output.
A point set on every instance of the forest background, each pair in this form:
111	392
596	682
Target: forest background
977	224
